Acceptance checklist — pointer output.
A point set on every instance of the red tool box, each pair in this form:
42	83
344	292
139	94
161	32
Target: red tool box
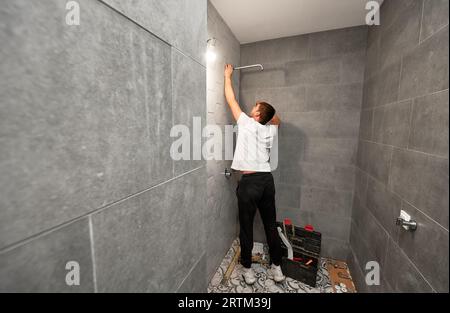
306	245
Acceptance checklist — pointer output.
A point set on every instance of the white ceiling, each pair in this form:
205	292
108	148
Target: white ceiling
256	20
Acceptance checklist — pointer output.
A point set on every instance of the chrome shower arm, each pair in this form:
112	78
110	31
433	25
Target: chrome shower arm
250	66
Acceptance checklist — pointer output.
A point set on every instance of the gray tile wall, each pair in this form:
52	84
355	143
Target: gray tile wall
315	82
86	174
221	216
402	161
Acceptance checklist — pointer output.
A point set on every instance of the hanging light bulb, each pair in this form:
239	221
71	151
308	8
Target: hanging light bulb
211	55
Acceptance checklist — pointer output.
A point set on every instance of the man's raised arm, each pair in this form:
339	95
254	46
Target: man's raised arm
229	93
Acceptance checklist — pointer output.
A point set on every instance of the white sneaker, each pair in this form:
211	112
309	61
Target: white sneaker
249	276
277	274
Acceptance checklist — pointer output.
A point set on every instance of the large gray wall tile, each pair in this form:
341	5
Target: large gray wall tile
371	231
353	68
384	205
322	175
337	42
338	97
196	281
435	16
326	201
425	70
81	127
429	124
287	195
401	274
187	77
331	150
422	180
290	151
40	264
320	71
247	99
427	247
334	248
283	99
391	123
331	226
361	248
402	35
182	23
329	124
375	159
277	50
387	84
382	87
272	76
391	10
359	278
156	235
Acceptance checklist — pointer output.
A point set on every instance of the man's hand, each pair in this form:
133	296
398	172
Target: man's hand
275	121
228	70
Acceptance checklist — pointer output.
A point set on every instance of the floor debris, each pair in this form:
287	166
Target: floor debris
264	283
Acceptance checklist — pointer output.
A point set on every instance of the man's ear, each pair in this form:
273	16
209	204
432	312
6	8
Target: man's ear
257	114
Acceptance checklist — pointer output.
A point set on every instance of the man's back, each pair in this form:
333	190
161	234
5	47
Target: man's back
253	145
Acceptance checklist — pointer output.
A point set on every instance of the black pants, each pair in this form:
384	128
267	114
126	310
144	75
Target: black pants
257	191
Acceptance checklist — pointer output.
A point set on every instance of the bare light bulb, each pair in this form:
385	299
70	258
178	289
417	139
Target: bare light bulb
211	56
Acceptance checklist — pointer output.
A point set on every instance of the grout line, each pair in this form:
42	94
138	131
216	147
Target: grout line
390	168
363	241
172	101
408	99
95	211
386	251
372	124
357	264
402	199
426	215
437	31
413	264
421	20
400	79
407	149
148	31
133	21
367	245
190	271
410	129
377	221
188	56
94	268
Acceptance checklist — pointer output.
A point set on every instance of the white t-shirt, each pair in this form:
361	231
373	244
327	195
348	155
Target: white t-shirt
253	145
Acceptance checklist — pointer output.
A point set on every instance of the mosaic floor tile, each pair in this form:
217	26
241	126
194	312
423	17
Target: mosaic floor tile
264	283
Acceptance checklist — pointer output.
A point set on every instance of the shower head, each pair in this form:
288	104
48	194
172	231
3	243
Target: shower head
250	66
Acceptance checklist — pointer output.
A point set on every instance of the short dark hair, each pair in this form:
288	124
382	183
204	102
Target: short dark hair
266	111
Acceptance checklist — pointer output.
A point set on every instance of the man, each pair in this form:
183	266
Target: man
256	189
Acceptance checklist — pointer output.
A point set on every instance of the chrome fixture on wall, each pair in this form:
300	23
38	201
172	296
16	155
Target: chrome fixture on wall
250	66
227	173
409	225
